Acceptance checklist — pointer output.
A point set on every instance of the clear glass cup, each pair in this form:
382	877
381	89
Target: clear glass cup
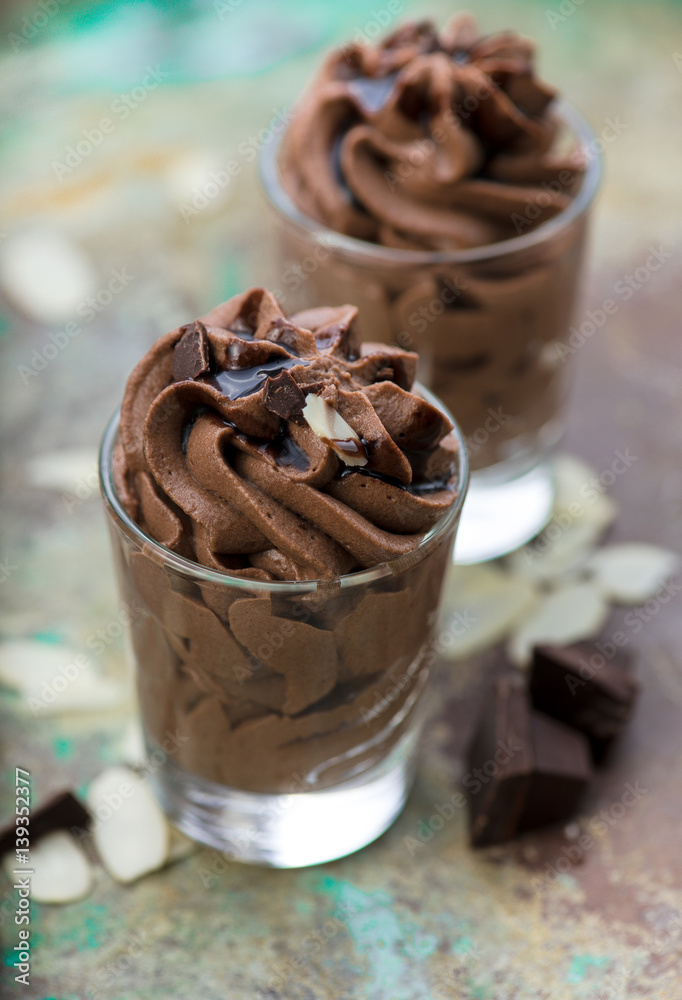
292	710
487	324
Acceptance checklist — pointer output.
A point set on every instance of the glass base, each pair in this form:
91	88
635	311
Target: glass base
289	830
501	515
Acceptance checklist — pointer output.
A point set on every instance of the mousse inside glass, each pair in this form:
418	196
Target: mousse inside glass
282	503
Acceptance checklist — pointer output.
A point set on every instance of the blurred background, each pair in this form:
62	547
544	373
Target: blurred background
129	204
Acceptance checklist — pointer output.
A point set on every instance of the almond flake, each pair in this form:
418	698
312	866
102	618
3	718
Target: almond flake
331	428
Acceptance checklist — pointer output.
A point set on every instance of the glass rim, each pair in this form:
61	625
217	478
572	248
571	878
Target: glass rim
283	203
204	574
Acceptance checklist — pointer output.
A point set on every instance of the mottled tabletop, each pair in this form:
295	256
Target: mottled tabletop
115	116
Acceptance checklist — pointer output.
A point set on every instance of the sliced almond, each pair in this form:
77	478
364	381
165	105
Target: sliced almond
632	573
551	558
330	426
567	615
130	832
132	748
55	679
66	470
581	514
578	493
46	275
572	477
61	870
482	604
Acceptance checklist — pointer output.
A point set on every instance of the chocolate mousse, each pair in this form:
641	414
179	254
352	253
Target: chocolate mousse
271	448
441	142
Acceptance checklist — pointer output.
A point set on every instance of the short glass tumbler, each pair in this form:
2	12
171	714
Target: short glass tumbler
287	788
488	324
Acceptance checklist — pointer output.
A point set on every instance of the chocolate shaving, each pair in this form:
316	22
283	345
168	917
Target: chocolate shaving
283	397
192	356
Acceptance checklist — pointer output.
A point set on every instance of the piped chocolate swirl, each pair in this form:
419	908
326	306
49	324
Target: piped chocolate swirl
429	140
279	447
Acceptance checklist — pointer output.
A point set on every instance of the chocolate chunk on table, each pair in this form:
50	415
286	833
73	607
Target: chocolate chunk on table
561	771
499	764
524	769
61	812
191	357
581	687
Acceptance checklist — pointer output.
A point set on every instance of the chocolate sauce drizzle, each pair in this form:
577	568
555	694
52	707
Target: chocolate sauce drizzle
235	383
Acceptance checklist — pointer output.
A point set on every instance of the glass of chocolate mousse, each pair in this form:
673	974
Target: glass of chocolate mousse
435	182
282	502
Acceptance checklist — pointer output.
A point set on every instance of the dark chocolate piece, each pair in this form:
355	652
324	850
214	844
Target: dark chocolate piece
525	769
283	397
561	771
191	357
579	686
283	332
62	811
500	764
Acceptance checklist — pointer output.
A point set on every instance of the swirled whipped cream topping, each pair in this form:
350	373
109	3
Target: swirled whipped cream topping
429	140
279	447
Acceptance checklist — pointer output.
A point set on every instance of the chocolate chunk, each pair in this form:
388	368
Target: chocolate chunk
525	769
581	687
500	764
283	332
561	771
62	811
191	357
283	397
